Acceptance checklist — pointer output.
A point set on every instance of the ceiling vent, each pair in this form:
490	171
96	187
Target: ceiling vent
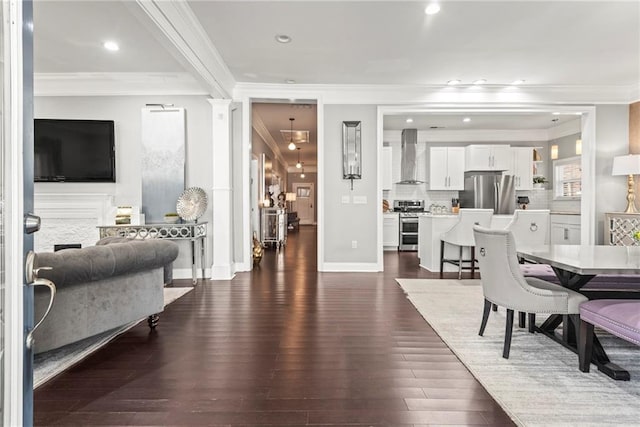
297	136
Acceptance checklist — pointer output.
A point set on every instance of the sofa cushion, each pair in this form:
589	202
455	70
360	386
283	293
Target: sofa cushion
617	316
73	266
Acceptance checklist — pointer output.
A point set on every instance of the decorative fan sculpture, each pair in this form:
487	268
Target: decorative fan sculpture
192	204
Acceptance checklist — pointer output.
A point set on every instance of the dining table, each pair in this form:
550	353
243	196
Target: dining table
575	266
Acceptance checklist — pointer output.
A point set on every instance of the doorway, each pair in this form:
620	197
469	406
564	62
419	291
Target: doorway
284	140
305	202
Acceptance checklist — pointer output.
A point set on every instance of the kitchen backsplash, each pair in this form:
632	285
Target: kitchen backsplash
538	199
419	192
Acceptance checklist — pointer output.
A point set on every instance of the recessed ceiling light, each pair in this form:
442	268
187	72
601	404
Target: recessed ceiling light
479	82
111	45
517	82
290	82
454	82
409	120
432	9
466	119
283	38
556	113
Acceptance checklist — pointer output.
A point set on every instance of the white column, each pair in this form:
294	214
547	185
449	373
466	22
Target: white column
221	228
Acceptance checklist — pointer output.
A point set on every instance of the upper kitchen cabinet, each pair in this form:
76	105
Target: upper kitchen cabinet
487	157
387	165
522	167
446	168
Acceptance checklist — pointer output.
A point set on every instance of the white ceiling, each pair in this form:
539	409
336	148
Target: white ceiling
550	44
394	42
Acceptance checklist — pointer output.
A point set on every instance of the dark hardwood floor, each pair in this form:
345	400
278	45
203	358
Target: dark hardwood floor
281	345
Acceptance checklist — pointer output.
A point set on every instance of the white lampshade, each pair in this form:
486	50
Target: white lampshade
291	197
626	165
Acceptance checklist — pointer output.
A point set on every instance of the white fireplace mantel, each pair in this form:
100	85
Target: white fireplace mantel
70	218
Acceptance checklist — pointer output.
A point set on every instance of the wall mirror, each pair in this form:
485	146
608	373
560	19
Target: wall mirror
351	151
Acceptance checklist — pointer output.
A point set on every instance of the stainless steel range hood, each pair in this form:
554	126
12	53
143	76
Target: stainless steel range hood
409	163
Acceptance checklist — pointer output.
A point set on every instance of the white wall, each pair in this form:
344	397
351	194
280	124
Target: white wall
126	113
347	222
612	139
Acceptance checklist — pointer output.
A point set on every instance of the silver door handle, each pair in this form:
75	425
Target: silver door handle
52	288
31	223
566	234
33	280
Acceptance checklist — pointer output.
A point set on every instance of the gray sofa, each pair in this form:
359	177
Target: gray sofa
100	288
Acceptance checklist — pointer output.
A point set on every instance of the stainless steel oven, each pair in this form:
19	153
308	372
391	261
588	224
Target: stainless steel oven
409	210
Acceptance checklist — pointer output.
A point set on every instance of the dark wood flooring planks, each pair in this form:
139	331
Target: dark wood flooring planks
281	345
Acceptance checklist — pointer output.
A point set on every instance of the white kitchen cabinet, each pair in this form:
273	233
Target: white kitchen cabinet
565	229
446	168
387	164
522	167
390	231
487	157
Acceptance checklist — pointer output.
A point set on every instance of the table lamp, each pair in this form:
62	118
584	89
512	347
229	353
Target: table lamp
628	165
290	197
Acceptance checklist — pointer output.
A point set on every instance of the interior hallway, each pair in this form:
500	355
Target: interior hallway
281	345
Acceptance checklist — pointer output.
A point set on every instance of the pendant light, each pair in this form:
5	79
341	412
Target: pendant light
302	173
298	165
291	145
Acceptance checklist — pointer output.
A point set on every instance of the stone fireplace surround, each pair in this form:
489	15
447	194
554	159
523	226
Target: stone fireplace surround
70	218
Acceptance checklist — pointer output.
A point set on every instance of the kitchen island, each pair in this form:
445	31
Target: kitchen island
431	227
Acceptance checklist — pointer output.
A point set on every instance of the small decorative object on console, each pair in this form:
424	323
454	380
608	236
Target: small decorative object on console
171	218
192	204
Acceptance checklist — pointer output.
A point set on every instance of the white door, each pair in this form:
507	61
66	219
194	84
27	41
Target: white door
16	199
304	203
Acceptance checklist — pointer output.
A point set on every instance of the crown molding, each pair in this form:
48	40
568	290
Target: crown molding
115	84
179	24
263	132
419	94
471	135
635	93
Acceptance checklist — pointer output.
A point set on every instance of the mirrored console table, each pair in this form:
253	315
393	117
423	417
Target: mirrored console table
619	229
193	232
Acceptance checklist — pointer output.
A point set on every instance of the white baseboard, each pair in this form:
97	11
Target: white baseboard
345	267
185	273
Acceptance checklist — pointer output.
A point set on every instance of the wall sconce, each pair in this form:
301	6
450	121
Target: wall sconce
351	151
554	152
578	147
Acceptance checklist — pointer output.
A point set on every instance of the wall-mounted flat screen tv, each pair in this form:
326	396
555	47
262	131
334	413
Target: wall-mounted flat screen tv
74	151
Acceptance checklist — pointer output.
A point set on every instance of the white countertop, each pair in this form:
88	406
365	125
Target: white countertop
564	213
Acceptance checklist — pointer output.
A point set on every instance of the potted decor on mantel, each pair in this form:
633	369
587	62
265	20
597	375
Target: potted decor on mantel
538	181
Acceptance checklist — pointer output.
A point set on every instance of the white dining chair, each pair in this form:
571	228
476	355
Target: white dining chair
530	227
461	235
503	284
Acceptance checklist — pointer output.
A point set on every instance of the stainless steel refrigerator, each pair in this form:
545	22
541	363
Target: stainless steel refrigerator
489	190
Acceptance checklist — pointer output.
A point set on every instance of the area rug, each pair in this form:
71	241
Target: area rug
540	384
49	364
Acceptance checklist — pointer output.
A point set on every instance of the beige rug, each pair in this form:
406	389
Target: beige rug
540	384
51	363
